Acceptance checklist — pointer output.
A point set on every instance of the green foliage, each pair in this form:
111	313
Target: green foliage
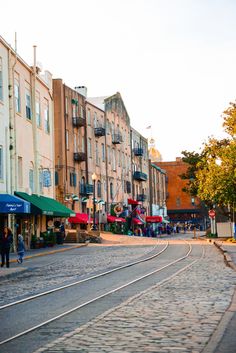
229	116
212	173
192	159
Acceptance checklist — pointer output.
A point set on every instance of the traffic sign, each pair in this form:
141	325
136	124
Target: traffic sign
212	213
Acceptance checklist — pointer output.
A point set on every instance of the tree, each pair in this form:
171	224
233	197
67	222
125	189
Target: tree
212	173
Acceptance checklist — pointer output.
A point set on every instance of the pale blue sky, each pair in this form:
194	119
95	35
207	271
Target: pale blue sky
173	61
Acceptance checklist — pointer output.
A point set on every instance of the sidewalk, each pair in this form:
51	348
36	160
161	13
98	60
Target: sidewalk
224	340
33	253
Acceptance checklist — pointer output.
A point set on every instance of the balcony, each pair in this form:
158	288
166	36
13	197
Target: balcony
78	121
138	152
140	176
99	131
79	156
86	189
141	197
116	138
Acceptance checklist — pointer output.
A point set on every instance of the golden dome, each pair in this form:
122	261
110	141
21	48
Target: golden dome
154	154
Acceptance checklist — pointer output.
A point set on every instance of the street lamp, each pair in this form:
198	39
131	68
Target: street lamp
94	177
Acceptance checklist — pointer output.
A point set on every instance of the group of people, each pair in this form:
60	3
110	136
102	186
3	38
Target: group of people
154	230
6	242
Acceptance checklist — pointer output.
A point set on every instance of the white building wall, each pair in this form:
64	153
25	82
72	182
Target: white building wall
5	178
32	144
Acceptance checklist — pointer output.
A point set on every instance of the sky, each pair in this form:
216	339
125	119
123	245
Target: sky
173	61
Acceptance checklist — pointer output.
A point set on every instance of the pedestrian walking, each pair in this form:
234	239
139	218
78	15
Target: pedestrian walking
6	240
20	249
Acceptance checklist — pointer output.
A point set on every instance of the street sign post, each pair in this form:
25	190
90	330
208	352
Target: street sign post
212	213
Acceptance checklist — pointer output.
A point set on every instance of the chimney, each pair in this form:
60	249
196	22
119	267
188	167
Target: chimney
82	90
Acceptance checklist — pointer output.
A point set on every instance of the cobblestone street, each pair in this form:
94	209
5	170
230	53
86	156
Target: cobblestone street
179	316
66	267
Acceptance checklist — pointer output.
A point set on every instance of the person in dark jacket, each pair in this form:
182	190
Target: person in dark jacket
6	240
20	249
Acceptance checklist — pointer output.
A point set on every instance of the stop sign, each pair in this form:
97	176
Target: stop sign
212	213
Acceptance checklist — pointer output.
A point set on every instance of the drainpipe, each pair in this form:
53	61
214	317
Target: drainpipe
12	135
12	121
106	160
34	125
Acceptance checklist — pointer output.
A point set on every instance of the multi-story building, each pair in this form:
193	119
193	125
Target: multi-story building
140	169
27	146
96	143
181	206
72	182
5	179
117	149
157	189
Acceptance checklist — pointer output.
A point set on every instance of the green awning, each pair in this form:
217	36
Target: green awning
46	205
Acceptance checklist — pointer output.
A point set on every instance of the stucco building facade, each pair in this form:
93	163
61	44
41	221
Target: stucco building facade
157	189
140	169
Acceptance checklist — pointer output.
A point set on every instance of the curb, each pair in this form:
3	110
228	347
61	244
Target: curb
227	258
221	328
51	252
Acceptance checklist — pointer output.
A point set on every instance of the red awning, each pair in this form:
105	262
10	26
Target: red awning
153	219
113	219
80	218
136	221
133	202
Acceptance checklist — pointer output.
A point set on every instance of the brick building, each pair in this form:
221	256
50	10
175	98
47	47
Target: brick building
181	207
71	177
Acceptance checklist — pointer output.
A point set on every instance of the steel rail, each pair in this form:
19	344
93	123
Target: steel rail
83	280
108	293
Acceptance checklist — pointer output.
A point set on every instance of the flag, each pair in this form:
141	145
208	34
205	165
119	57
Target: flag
148	127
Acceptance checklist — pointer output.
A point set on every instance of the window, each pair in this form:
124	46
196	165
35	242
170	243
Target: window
108	154
67	140
1	162
31	177
20	171
111	191
82	184
178	201
95	120
81	112
47	178
83	144
103	152
90	148
89	117
113	159
56	178
28	111
72	179
96	153
46	116
104	187
17	92
37	109
74	110
99	189
128	187
41	180
192	201
75	144
1	80
66	105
